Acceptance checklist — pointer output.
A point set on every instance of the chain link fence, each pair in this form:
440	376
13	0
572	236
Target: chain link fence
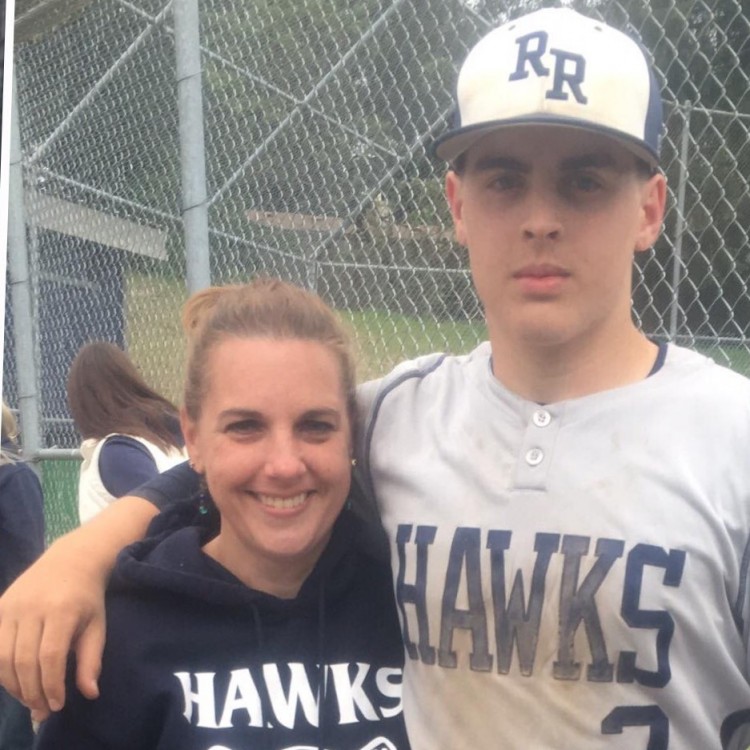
314	136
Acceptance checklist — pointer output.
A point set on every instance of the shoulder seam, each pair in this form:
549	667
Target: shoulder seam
416	372
742	588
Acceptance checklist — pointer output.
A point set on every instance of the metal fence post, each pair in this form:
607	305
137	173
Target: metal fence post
20	291
677	266
192	147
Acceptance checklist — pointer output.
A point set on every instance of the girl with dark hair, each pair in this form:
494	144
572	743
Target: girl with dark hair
130	432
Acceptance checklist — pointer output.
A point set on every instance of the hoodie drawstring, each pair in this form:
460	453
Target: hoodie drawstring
265	700
322	672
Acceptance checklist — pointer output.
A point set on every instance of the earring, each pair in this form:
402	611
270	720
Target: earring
204	498
354	462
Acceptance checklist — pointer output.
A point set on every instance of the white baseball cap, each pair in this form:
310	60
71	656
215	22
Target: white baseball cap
557	67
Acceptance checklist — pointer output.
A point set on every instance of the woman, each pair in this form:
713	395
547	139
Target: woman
130	432
21	542
270	621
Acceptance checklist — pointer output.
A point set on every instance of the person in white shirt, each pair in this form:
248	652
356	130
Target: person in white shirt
130	432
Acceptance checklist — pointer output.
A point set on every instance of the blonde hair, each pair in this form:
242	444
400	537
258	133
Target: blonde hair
263	308
9	434
9	425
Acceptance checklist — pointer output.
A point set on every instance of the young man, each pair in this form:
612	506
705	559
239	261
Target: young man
569	504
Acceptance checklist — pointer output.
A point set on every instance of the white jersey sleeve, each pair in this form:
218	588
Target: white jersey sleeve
572	575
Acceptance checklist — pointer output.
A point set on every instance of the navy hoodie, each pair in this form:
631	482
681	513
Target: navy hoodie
196	660
21	518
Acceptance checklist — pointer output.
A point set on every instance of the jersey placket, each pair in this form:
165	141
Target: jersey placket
536	448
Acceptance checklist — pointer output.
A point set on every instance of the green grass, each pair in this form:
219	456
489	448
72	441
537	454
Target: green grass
60	487
382	339
735	357
156	343
153	333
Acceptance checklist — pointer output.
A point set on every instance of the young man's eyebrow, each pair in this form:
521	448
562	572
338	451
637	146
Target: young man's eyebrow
584	161
487	163
600	160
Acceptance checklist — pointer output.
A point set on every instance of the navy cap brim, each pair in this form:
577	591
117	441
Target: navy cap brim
453	143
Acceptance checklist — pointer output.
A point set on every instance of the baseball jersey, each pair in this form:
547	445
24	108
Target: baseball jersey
572	575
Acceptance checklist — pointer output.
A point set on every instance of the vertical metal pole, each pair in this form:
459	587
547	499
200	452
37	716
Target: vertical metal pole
677	266
21	296
192	148
312	269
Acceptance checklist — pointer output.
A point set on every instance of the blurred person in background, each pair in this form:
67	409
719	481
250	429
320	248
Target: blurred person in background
21	542
130	432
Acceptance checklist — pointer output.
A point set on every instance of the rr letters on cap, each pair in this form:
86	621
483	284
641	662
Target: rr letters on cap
569	68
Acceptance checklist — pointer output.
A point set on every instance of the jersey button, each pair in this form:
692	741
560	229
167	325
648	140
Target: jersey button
541	417
534	456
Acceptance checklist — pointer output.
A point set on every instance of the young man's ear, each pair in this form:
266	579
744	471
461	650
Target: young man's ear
653	204
454	196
